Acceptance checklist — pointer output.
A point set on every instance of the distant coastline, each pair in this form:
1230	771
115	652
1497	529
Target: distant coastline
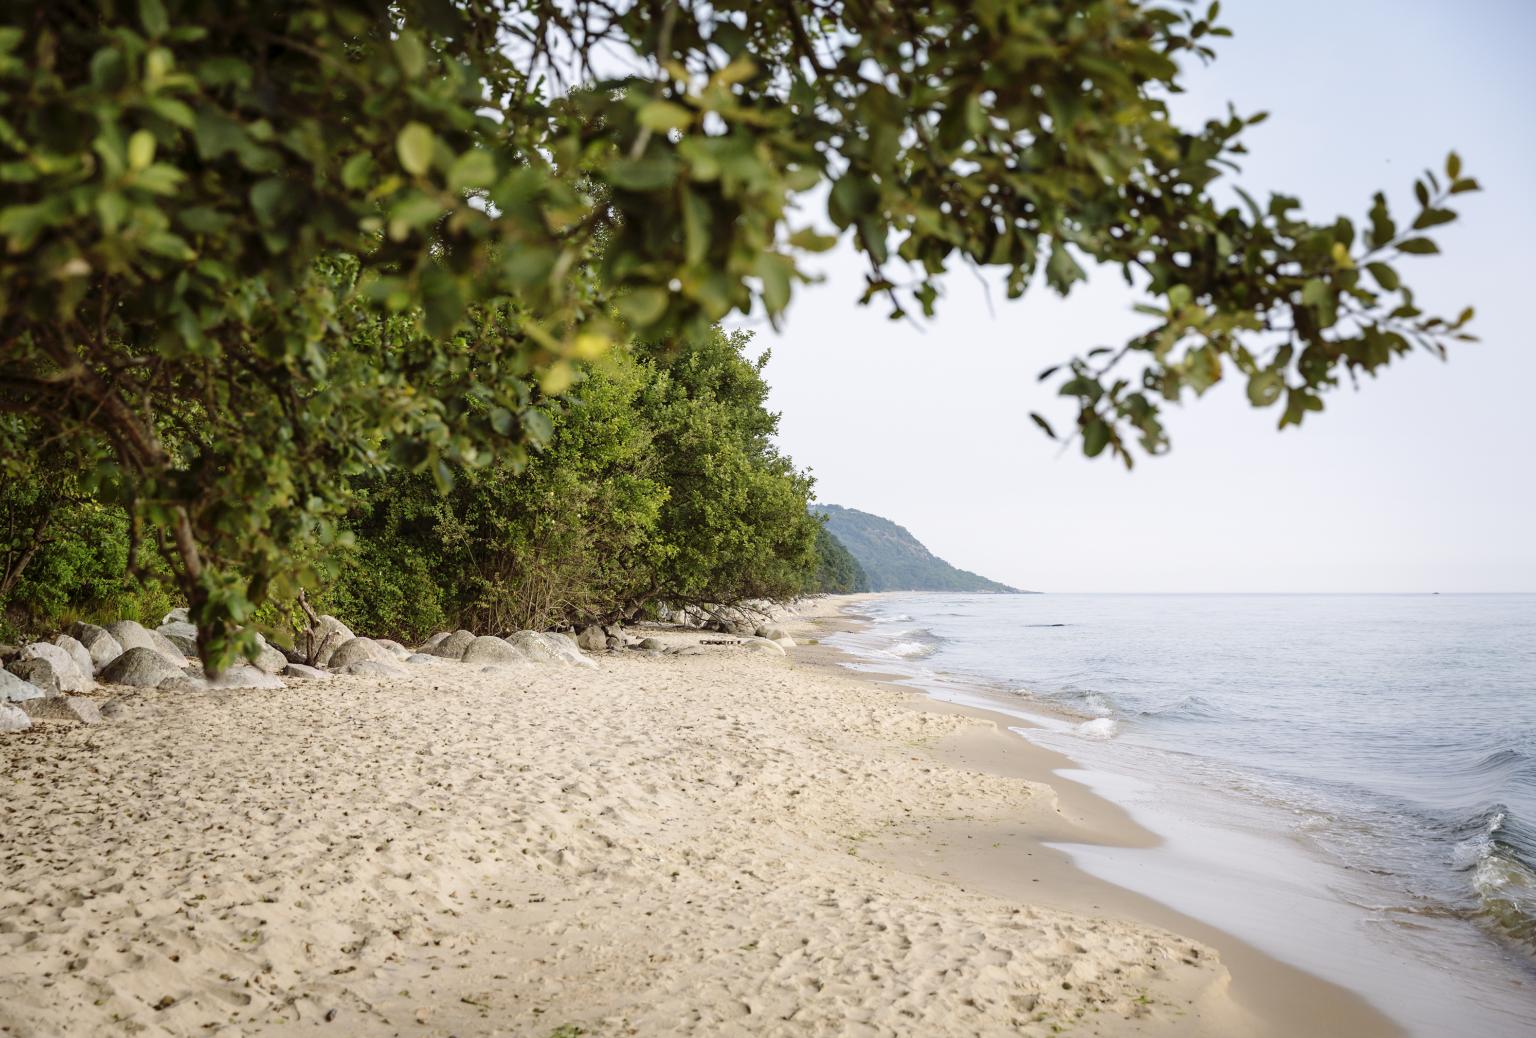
894	560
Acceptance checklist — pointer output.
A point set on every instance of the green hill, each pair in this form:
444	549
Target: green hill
894	560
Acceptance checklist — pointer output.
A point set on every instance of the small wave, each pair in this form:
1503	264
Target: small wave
912	649
1186	708
1504	764
1099	728
1504	884
1506	891
899	618
1472	851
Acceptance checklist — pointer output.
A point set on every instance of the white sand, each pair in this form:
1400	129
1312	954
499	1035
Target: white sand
659	846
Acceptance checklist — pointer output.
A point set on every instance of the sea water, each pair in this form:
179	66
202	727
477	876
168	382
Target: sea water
1347	781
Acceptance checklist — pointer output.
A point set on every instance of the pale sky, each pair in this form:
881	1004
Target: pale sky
1421	481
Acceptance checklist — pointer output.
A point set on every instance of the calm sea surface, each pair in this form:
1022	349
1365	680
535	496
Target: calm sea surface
1391	737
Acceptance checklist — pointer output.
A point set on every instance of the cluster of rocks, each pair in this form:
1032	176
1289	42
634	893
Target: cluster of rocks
41	680
746	619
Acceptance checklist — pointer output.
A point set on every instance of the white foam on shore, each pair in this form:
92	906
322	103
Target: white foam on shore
1099	728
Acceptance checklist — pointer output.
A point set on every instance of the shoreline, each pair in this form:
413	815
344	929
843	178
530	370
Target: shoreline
716	843
988	855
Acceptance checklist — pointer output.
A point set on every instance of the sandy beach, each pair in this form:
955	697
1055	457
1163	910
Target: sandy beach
715	843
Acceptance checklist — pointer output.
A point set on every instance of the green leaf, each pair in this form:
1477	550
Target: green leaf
643	307
473	169
851	197
1383	229
1419	246
108	70
160	179
661	116
1042	423
1433	218
414	144
152	17
538	425
697	222
1095	437
652	173
357	172
414	212
1062	271
172	246
811	241
268	200
22	224
112	208
1385	276
775	273
1264	387
172	111
141	150
442	302
411	53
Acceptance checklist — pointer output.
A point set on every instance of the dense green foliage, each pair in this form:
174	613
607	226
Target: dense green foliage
659	483
894	560
261	255
65	557
837	571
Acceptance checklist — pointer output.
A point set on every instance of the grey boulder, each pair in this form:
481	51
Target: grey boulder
304	673
77	652
764	646
16	689
244	675
64	708
65	669
433	642
565	646
269	660
142	667
592	639
98	642
492	650
453	646
400	651
180	634
360	650
652	643
339	634
36	672
535	646
13	719
374	669
131	634
179	615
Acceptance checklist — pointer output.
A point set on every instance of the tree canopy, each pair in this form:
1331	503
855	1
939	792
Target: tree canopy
256	250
